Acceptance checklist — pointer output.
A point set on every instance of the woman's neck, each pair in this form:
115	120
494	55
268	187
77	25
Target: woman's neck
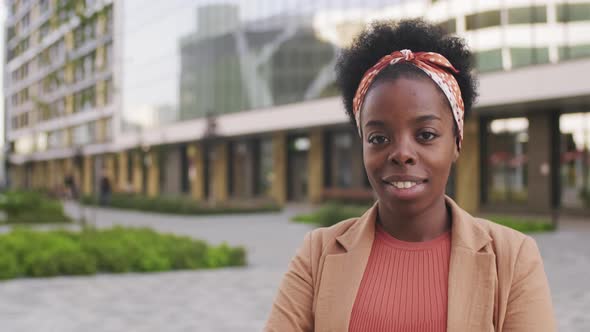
427	225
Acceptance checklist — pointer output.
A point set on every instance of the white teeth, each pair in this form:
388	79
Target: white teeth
404	184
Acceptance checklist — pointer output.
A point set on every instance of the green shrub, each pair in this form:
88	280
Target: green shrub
22	207
181	205
524	225
24	252
8	266
332	213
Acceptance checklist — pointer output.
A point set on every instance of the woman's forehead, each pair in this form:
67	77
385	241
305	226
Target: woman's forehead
410	99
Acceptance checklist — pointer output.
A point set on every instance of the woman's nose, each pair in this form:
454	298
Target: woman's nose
402	153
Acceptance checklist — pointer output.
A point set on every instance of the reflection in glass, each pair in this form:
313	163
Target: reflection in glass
507	160
575	160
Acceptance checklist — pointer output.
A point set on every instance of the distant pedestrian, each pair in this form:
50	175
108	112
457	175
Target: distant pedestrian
70	185
104	189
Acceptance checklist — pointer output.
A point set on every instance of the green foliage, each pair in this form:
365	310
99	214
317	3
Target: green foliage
332	213
28	253
180	205
524	225
23	207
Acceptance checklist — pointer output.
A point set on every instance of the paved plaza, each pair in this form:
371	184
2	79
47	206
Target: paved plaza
235	299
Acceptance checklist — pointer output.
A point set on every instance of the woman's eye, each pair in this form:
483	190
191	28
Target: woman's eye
427	136
377	139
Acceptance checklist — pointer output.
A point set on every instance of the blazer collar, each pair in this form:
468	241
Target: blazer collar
466	232
470	289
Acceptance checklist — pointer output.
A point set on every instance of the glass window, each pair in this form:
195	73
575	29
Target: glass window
449	25
573	52
527	15
529	56
482	20
573	12
342	152
489	60
265	177
575	160
507	141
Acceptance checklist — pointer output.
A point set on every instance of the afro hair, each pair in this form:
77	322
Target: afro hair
383	38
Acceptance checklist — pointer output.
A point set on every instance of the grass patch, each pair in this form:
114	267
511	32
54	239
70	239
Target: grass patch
523	224
332	213
23	207
28	253
182	205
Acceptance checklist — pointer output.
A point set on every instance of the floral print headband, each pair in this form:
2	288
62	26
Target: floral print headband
436	66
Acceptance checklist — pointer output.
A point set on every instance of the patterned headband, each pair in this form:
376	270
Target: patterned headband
436	66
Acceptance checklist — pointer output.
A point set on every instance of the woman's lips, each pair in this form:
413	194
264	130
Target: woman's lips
406	189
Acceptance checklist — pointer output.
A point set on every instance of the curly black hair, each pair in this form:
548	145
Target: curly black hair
382	38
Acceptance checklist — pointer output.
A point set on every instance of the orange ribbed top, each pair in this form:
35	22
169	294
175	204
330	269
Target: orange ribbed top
404	287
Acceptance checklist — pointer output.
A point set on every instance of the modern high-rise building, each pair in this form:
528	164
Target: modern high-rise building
236	100
58	88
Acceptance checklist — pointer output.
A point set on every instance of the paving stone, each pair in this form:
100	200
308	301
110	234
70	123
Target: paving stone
232	299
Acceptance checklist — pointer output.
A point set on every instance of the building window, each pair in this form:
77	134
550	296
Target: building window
575	160
43	6
527	15
483	20
490	60
529	56
573	52
265	175
85	100
450	25
573	12
342	160
507	143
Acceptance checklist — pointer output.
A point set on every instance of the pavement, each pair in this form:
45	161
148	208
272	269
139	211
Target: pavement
232	299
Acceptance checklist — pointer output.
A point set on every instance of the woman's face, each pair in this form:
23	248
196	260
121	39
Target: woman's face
409	143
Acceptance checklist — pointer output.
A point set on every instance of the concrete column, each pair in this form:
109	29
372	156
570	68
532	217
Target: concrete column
153	180
99	61
316	166
220	171
539	161
100	89
196	175
87	187
101	130
123	180
137	172
279	176
467	179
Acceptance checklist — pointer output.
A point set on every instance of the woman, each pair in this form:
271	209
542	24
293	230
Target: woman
415	261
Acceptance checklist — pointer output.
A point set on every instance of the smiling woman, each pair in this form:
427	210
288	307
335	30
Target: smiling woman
415	261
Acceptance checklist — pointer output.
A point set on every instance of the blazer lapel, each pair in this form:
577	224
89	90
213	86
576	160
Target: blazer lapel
472	275
342	275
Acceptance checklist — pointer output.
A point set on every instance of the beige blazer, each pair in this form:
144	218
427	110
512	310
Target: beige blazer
496	278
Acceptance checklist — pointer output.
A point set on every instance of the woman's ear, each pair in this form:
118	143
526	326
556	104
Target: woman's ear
456	152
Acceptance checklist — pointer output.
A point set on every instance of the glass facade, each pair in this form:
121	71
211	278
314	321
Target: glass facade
507	161
184	60
575	160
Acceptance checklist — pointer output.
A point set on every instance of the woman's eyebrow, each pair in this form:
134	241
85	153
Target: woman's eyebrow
426	118
375	123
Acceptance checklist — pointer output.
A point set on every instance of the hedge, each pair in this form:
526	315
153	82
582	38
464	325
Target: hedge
28	253
181	205
332	213
23	207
